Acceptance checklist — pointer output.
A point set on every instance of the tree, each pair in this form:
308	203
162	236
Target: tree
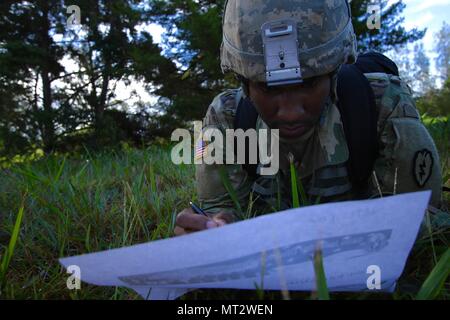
435	102
193	41
423	80
109	49
402	56
391	35
443	52
42	103
30	63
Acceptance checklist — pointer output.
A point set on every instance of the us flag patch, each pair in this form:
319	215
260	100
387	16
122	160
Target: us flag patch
200	149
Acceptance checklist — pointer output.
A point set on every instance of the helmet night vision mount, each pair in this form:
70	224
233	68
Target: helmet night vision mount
281	52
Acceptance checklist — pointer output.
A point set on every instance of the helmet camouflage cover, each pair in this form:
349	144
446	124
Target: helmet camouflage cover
324	32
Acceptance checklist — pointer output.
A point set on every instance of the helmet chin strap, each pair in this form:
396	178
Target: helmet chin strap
333	87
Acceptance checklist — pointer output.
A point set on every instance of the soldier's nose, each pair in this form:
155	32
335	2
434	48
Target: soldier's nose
290	109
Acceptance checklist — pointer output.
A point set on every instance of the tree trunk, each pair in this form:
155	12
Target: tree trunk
49	128
101	103
48	133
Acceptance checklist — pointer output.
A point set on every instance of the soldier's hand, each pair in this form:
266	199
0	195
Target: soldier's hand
188	221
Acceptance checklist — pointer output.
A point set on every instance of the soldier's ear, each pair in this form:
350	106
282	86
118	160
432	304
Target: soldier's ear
244	83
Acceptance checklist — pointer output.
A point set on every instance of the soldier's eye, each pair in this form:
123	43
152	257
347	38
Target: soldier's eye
310	83
268	89
307	83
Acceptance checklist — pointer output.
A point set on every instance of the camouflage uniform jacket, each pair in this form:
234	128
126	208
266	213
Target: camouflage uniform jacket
408	160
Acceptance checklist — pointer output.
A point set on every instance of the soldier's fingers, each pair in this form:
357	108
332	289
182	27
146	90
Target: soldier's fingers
178	231
223	218
196	222
220	222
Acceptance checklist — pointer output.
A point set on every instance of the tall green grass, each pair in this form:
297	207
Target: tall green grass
84	204
435	281
9	251
321	280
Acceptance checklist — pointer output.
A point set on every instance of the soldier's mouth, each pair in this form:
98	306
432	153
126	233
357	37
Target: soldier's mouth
292	131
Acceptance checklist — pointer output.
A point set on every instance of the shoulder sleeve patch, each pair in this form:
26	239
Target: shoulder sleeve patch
423	167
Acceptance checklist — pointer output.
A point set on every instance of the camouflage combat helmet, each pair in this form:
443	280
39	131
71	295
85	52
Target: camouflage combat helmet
286	39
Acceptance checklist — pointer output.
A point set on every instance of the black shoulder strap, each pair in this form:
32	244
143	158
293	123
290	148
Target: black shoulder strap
246	117
356	103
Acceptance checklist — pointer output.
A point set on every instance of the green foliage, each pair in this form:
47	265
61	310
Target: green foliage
9	251
229	187
435	103
294	187
435	281
83	204
28	57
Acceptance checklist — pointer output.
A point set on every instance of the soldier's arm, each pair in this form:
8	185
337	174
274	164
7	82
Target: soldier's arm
211	190
408	159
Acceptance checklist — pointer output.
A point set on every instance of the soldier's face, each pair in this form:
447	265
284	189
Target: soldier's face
293	109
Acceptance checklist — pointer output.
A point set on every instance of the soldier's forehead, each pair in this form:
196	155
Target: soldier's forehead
292	84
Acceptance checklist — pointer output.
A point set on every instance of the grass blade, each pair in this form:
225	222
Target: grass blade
227	184
60	170
435	281
321	281
10	249
294	188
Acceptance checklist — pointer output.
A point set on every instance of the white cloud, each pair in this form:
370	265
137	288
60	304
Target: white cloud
421	22
420	6
417	6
